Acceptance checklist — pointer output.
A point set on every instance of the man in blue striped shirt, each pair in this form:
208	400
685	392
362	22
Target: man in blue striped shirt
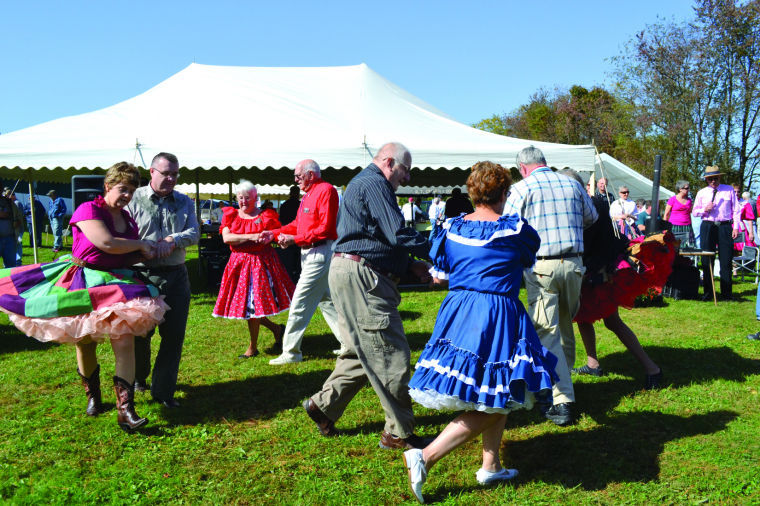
559	209
371	252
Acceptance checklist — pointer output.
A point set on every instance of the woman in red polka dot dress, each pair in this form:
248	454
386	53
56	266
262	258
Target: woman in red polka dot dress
255	284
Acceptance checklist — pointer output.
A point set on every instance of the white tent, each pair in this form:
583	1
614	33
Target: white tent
619	174
224	189
266	119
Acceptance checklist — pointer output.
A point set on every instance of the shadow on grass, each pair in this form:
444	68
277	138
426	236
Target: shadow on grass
684	366
257	398
13	340
681	367
625	450
410	315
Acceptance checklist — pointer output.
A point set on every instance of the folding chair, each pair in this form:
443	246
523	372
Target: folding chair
747	262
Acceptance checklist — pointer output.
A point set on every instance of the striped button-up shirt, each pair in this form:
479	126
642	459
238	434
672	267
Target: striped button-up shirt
159	217
556	206
370	224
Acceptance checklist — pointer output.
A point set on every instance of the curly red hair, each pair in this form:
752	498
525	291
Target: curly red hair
487	183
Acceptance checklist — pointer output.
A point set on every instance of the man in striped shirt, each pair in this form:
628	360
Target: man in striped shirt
371	252
559	209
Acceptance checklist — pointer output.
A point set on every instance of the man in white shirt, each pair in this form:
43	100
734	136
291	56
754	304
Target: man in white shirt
435	215
411	213
623	212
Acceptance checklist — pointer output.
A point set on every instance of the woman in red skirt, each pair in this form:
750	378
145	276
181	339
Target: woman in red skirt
255	284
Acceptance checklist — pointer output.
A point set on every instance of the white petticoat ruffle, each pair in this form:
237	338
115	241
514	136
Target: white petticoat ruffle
435	400
135	317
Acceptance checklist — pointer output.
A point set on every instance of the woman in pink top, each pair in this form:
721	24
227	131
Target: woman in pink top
678	213
91	295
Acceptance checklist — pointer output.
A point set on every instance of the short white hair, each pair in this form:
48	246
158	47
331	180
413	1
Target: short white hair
310	166
245	186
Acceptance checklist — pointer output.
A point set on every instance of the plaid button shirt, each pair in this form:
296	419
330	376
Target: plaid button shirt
556	206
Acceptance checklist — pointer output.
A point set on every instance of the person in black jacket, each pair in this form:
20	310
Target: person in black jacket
602	249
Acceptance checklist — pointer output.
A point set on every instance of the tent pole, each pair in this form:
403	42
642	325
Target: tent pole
33	238
366	148
198	198
137	147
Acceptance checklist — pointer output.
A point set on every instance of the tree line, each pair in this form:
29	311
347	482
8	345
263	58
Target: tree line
689	91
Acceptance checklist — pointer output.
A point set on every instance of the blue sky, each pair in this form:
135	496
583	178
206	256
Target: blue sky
63	58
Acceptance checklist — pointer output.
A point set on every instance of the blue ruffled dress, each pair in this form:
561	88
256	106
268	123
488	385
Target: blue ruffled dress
484	353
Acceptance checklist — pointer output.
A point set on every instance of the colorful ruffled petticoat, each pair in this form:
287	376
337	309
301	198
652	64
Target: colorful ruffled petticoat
646	266
67	300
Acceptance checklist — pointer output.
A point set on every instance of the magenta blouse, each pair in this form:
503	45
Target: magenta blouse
83	249
680	214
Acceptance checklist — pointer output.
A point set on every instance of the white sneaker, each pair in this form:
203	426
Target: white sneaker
340	351
486	477
416	470
286	359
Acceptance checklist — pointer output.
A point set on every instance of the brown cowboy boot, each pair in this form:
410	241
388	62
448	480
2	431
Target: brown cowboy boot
125	406
92	389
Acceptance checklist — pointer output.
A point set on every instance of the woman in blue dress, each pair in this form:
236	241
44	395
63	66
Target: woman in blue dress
484	356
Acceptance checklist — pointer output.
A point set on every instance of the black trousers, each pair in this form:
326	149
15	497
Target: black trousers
717	237
175	285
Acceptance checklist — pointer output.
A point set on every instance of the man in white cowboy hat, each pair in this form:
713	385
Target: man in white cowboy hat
719	209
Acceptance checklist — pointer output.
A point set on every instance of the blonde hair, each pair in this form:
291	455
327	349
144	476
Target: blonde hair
122	172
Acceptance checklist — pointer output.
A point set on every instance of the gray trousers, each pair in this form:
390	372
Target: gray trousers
175	285
367	306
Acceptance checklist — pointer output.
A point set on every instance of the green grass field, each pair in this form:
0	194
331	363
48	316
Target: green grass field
241	436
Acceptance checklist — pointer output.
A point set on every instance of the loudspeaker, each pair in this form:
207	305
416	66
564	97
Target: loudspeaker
85	189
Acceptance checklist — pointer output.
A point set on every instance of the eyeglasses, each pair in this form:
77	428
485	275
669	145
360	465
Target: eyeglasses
624	193
403	167
299	177
173	175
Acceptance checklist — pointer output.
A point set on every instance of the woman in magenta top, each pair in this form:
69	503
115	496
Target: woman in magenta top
678	213
92	296
255	285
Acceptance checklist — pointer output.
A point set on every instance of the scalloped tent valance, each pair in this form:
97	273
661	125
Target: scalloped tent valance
256	121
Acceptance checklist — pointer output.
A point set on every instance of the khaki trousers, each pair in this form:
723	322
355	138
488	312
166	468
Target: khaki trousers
554	293
367	306
311	292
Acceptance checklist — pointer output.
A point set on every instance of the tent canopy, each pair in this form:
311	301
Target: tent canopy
619	174
261	120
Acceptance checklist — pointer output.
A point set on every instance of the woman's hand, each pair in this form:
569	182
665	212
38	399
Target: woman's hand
148	249
265	237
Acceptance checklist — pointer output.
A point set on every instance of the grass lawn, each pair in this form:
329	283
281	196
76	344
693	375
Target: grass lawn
242	437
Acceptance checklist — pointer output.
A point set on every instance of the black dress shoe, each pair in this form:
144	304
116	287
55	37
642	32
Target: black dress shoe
168	403
141	386
754	337
708	297
653	381
561	414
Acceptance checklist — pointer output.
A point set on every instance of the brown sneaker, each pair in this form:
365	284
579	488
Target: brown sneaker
325	425
390	442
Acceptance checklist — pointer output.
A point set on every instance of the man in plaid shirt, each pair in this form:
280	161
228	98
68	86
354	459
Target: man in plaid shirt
559	209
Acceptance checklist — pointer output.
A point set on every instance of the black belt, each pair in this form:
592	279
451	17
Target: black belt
362	260
163	268
314	244
559	257
727	222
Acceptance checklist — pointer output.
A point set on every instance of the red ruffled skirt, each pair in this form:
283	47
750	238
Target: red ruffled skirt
653	262
254	285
